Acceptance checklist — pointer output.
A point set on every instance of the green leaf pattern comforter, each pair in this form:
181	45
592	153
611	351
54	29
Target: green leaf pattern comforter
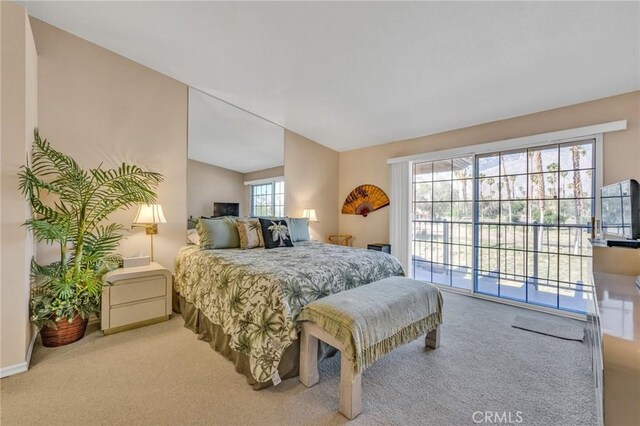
256	295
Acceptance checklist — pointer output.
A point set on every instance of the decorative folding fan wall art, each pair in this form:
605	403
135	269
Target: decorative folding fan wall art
364	200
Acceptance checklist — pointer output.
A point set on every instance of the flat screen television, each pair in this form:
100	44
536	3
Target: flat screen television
621	209
226	209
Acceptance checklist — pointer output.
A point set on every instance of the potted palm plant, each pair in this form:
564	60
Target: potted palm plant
71	207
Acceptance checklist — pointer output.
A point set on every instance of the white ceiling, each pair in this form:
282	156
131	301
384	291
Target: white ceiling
354	74
225	136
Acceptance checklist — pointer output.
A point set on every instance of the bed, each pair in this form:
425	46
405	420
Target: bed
246	302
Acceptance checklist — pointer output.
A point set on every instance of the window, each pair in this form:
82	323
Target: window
443	222
534	209
509	224
267	199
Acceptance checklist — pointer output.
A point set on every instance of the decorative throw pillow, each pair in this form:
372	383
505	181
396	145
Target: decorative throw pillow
218	233
299	228
250	233
275	233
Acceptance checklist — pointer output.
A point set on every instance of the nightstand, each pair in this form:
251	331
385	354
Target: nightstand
135	297
385	248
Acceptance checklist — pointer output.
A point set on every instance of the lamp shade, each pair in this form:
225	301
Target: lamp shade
150	213
310	214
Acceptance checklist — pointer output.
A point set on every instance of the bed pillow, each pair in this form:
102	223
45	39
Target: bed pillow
218	233
192	237
299	228
250	233
275	233
269	217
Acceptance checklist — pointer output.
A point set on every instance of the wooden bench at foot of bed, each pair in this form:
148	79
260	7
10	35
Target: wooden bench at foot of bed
364	324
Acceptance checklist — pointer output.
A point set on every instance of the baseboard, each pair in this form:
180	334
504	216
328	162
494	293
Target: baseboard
23	366
32	343
13	369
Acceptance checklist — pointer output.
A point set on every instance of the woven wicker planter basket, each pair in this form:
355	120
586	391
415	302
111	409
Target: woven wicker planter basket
66	333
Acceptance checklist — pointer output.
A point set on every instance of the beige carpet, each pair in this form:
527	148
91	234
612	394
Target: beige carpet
162	374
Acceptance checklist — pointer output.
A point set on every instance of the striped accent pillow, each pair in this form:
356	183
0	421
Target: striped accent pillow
250	233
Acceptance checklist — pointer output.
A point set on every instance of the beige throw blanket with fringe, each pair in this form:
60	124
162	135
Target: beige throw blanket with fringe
372	320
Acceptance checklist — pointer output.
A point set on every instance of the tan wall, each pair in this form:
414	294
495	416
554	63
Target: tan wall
100	107
207	183
19	116
265	174
260	174
368	165
311	181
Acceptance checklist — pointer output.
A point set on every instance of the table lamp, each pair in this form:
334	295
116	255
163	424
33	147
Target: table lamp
310	214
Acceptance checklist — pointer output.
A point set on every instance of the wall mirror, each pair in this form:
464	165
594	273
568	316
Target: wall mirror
235	161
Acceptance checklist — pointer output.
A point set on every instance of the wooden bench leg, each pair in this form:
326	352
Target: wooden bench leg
350	404
433	338
350	390
309	375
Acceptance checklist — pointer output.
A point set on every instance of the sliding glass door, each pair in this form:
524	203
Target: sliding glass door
443	222
510	224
